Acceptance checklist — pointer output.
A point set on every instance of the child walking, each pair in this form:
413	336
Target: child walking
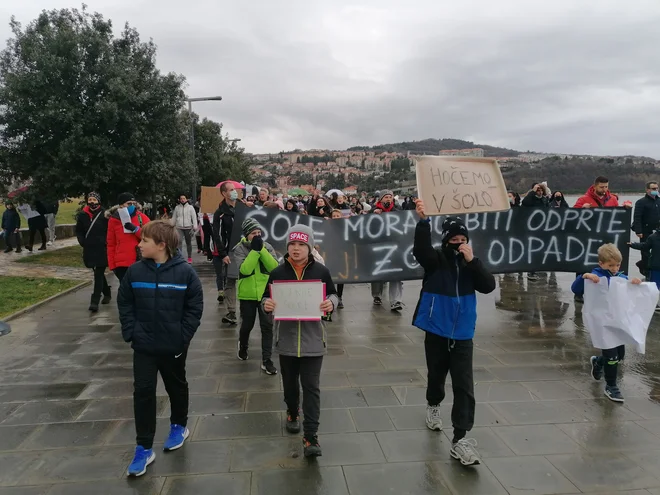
255	259
160	306
447	312
301	344
11	225
609	262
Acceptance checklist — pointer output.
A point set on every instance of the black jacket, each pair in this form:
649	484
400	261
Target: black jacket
94	243
531	199
651	243
647	215
223	224
160	308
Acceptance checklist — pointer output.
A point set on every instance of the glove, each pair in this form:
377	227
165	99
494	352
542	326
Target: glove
133	228
257	244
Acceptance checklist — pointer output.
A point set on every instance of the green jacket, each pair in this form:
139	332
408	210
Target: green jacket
253	269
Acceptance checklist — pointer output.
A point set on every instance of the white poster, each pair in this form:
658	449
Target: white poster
125	217
298	300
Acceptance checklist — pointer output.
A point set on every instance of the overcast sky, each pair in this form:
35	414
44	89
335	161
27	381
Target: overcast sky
573	76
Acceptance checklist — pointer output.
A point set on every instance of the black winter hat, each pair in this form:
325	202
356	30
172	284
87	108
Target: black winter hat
125	197
453	226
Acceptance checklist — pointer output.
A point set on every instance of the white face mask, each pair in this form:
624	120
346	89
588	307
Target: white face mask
233	195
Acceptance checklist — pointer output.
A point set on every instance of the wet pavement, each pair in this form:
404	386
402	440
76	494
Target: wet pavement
543	426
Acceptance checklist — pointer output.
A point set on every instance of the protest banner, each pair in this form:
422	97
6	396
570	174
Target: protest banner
456	185
210	199
297	300
372	248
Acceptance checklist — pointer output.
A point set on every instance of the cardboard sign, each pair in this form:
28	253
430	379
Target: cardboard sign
297	300
210	199
456	185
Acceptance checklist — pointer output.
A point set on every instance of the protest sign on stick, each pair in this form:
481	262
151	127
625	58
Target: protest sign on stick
456	185
210	199
298	300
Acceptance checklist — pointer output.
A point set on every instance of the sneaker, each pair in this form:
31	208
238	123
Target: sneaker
106	299
378	301
42	248
657	308
268	367
19	250
578	299
221	296
596	369
8	250
175	439
613	393
292	424
311	447
465	451
243	352
49	243
433	421
340	305
29	248
93	307
142	459
397	306
230	318
190	261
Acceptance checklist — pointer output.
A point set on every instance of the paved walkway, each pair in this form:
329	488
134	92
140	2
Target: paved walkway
8	265
542	425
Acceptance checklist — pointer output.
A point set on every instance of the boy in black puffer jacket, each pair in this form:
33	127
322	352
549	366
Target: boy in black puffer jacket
651	245
160	308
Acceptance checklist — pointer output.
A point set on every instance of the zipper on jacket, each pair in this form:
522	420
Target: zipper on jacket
432	303
156	297
458	309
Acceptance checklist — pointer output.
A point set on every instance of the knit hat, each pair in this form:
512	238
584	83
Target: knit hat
249	226
453	226
125	197
300	233
96	196
385	193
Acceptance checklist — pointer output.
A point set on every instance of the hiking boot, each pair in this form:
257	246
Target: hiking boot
340	305
267	366
378	301
613	393
106	299
397	306
143	457
465	451
42	248
94	306
596	368
433	421
292	424
242	353
230	318
175	439
311	447
221	296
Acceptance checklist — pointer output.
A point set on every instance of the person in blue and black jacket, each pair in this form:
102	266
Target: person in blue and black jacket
447	312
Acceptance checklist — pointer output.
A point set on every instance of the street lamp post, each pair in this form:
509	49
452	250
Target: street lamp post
192	138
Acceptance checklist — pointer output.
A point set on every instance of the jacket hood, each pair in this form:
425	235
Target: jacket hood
601	272
112	211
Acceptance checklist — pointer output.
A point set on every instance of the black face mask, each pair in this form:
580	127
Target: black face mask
387	205
93	206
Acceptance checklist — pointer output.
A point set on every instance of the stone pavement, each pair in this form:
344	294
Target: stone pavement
8	265
542	424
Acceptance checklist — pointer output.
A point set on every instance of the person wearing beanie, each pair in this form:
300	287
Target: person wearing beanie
11	226
255	259
447	312
123	237
301	344
92	234
386	204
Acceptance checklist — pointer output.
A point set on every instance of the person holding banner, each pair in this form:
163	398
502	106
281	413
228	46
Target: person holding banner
386	205
301	343
447	312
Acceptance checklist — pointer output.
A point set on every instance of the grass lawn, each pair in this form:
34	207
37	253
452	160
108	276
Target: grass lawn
68	256
64	215
17	293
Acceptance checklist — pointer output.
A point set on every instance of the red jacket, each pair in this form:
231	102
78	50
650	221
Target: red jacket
595	201
121	246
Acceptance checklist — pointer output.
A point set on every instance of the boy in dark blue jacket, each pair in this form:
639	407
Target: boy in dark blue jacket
609	262
11	224
160	308
447	312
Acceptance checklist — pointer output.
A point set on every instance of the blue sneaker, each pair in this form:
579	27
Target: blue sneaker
142	459
177	436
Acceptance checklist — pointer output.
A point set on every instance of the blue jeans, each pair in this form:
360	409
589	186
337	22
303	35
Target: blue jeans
220	273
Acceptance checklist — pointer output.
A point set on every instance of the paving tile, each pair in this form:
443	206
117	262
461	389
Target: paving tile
531	474
501	392
240	383
15	465
267	453
615	437
334	379
645	408
350	448
409	478
371	419
527	373
109	409
488	443
371	350
603	472
231	483
13	436
402	362
602	410
216	404
380	396
224	426
332	421
477	481
539	412
265	401
342	398
408	417
47	412
370	378
544	390
652	425
193	458
25	490
351	364
414	445
537	439
26	393
65	435
127	486
234	367
323	481
415	396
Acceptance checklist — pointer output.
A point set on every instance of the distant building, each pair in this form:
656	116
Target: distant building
476	152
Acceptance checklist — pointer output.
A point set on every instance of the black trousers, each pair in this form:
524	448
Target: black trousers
13	236
119	272
249	311
42	233
305	372
610	363
100	284
454	356
340	290
145	374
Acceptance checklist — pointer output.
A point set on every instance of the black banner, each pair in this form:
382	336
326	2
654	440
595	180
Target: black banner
370	248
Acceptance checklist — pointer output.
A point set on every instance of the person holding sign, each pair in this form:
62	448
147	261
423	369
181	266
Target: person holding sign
301	342
447	312
125	222
255	259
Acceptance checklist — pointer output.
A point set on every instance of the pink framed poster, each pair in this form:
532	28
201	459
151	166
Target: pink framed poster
297	300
